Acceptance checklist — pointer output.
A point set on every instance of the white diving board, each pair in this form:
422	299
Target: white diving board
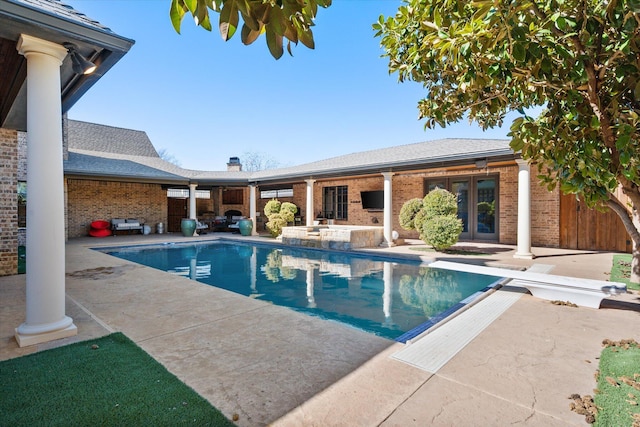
582	292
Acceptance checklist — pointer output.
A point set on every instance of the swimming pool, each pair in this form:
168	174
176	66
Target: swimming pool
393	298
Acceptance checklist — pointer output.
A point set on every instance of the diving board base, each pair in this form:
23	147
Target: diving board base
582	292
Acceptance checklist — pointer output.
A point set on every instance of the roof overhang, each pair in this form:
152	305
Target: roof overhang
463	159
95	42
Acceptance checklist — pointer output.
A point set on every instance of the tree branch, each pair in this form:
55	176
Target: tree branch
615	205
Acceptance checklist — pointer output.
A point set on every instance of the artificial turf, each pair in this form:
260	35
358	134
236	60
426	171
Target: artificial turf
618	394
106	381
621	271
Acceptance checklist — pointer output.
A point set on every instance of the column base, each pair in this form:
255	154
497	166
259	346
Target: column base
527	255
386	244
26	340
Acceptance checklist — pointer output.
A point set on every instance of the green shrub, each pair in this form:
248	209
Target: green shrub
279	215
408	212
440	202
441	231
288	211
275	224
272	207
418	222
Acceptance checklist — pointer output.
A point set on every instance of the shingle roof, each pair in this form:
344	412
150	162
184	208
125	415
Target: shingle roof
83	164
110	151
62	10
415	155
109	139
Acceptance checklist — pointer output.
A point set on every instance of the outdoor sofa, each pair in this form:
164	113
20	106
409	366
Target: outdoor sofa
128	225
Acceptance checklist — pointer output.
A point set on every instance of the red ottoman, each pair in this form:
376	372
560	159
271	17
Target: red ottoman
100	228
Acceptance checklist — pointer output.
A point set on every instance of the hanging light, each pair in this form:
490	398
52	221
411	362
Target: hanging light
79	63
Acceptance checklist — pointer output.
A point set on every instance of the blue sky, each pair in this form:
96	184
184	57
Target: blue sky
204	100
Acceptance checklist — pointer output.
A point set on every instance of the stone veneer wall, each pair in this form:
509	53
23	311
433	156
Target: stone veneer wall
90	200
8	202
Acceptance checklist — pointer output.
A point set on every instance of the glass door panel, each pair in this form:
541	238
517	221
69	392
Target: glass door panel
461	190
486	206
433	184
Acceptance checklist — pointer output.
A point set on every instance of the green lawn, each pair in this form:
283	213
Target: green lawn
619	386
621	271
107	381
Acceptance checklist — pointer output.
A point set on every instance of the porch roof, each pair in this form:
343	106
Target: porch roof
134	152
429	154
59	23
79	164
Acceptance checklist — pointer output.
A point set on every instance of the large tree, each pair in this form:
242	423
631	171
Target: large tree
253	161
577	59
277	19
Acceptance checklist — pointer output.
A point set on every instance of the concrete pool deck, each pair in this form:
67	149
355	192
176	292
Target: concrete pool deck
272	366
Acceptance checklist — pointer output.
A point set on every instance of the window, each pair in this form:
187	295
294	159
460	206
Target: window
183	193
232	196
335	202
275	194
22	204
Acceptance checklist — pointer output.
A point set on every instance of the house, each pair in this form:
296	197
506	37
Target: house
121	167
78	172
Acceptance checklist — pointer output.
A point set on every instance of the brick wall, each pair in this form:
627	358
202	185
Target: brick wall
545	214
545	211
89	200
22	156
22	176
8	202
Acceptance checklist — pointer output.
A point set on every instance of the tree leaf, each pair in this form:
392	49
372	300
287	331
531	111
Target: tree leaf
274	42
176	13
519	52
192	5
248	35
228	19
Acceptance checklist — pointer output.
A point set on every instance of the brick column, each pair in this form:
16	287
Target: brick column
45	313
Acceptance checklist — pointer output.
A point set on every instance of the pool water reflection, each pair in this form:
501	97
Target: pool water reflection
391	298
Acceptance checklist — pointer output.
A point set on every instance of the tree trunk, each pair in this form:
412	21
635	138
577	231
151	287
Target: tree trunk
635	249
635	263
631	222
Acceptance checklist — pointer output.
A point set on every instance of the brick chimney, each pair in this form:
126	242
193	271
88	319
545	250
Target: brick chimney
234	164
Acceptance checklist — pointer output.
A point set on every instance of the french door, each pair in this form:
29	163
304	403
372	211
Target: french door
477	204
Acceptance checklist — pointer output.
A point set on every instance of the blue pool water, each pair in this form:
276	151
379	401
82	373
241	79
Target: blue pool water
392	298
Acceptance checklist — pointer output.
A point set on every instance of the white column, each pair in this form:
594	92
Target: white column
192	201
45	280
192	206
387	294
388	209
253	270
524	212
310	213
311	300
252	208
